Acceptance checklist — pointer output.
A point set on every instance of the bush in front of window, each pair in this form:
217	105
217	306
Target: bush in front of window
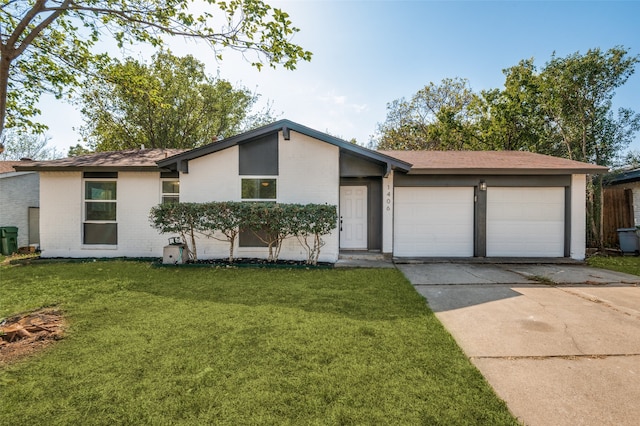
271	223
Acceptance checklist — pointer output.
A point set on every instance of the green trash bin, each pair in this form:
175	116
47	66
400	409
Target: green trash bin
8	240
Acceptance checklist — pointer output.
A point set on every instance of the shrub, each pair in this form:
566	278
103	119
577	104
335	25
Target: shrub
272	223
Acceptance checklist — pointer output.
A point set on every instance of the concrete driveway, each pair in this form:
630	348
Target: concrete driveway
559	343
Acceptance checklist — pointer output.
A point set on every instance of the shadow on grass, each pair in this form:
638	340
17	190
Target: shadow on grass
358	294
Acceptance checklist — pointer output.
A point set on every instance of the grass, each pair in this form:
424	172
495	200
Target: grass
627	264
200	346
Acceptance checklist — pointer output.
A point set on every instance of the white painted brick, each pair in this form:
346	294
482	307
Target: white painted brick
61	214
578	217
61	218
309	173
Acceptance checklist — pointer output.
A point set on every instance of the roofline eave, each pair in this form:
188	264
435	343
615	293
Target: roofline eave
504	171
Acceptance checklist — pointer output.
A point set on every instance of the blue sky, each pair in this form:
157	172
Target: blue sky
368	53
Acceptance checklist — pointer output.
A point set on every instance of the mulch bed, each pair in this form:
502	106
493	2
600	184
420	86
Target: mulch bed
256	263
24	334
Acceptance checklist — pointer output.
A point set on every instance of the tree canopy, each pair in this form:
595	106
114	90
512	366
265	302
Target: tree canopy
47	45
564	109
170	103
436	117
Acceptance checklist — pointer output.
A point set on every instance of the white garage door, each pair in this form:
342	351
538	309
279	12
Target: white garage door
525	222
433	222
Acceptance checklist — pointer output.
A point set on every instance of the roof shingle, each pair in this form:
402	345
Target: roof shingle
489	161
128	159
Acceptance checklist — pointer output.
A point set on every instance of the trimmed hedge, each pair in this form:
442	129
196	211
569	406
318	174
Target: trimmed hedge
272	223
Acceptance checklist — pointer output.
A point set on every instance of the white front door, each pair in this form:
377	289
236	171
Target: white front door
353	217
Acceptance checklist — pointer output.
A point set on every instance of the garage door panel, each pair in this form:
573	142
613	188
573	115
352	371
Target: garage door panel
525	222
433	222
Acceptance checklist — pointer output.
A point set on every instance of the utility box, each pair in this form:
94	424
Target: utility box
175	254
8	240
628	240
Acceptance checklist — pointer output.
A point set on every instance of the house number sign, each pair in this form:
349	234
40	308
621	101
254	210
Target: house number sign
388	198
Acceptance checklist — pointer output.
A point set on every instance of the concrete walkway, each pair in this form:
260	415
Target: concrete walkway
559	343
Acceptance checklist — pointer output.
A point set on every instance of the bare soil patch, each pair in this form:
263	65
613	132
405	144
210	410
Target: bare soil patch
27	333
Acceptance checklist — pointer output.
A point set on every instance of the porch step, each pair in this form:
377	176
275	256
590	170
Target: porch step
361	255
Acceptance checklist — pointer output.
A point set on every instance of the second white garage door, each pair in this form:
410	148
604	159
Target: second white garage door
433	222
525	222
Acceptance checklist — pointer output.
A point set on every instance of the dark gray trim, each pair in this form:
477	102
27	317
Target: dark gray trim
355	166
567	221
286	126
374	208
169	175
480	224
260	157
403	179
92	169
247	238
100	175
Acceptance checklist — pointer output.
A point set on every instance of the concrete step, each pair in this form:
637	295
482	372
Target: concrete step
361	255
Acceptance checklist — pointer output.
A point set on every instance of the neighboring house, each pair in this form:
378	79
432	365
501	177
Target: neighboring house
19	201
401	203
628	179
621	204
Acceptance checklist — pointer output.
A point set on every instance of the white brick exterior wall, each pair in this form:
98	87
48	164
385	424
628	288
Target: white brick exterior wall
578	216
18	192
387	213
61	214
213	177
62	210
308	173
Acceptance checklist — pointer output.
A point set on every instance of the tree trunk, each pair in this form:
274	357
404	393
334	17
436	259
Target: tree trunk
5	63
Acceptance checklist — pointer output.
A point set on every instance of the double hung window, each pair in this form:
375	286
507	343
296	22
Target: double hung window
170	191
100	212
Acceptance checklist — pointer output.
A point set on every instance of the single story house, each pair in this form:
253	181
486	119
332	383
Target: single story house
19	201
400	203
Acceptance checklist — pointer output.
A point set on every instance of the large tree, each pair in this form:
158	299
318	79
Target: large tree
47	45
170	103
436	117
512	119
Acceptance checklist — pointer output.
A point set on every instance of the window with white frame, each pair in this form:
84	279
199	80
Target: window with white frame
100	212
170	191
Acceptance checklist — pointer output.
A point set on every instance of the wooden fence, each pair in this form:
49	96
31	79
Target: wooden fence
618	213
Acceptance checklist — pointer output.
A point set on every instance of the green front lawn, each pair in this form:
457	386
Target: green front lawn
202	346
628	264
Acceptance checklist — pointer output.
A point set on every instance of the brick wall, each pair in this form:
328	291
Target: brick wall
18	192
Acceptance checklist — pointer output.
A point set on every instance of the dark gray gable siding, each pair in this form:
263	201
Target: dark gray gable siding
260	157
355	166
